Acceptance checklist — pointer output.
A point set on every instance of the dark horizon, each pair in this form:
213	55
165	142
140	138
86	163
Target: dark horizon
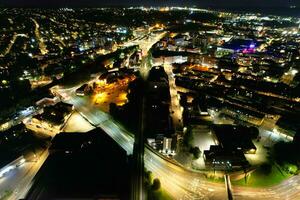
108	3
279	10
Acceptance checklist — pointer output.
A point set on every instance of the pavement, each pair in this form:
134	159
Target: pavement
176	109
179	182
19	180
203	138
175	179
76	123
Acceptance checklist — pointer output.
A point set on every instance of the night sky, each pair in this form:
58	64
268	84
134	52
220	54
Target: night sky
204	3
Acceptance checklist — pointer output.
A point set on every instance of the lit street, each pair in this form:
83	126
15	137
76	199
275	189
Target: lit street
174	178
176	109
150	100
18	181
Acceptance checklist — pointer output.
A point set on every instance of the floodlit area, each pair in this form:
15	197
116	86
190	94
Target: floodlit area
266	142
203	138
208	123
115	92
260	157
77	123
217	118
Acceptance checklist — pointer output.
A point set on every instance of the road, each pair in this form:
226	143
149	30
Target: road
179	182
138	157
176	109
12	42
138	151
42	46
175	179
19	180
98	118
287	190
19	117
145	45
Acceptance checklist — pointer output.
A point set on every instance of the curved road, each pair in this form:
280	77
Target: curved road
179	182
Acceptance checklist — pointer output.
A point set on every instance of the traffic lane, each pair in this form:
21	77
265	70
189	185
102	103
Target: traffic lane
19	180
180	185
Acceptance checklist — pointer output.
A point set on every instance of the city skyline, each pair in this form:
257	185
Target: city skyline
149	103
204	3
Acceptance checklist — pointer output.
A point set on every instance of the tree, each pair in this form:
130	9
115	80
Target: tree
196	152
148	178
254	132
266	168
113	109
188	137
296	139
286	152
156	184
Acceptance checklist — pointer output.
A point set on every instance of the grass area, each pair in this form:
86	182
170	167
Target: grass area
258	178
6	194
159	195
216	179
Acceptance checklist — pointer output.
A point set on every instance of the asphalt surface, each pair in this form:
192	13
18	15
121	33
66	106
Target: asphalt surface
180	183
18	181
